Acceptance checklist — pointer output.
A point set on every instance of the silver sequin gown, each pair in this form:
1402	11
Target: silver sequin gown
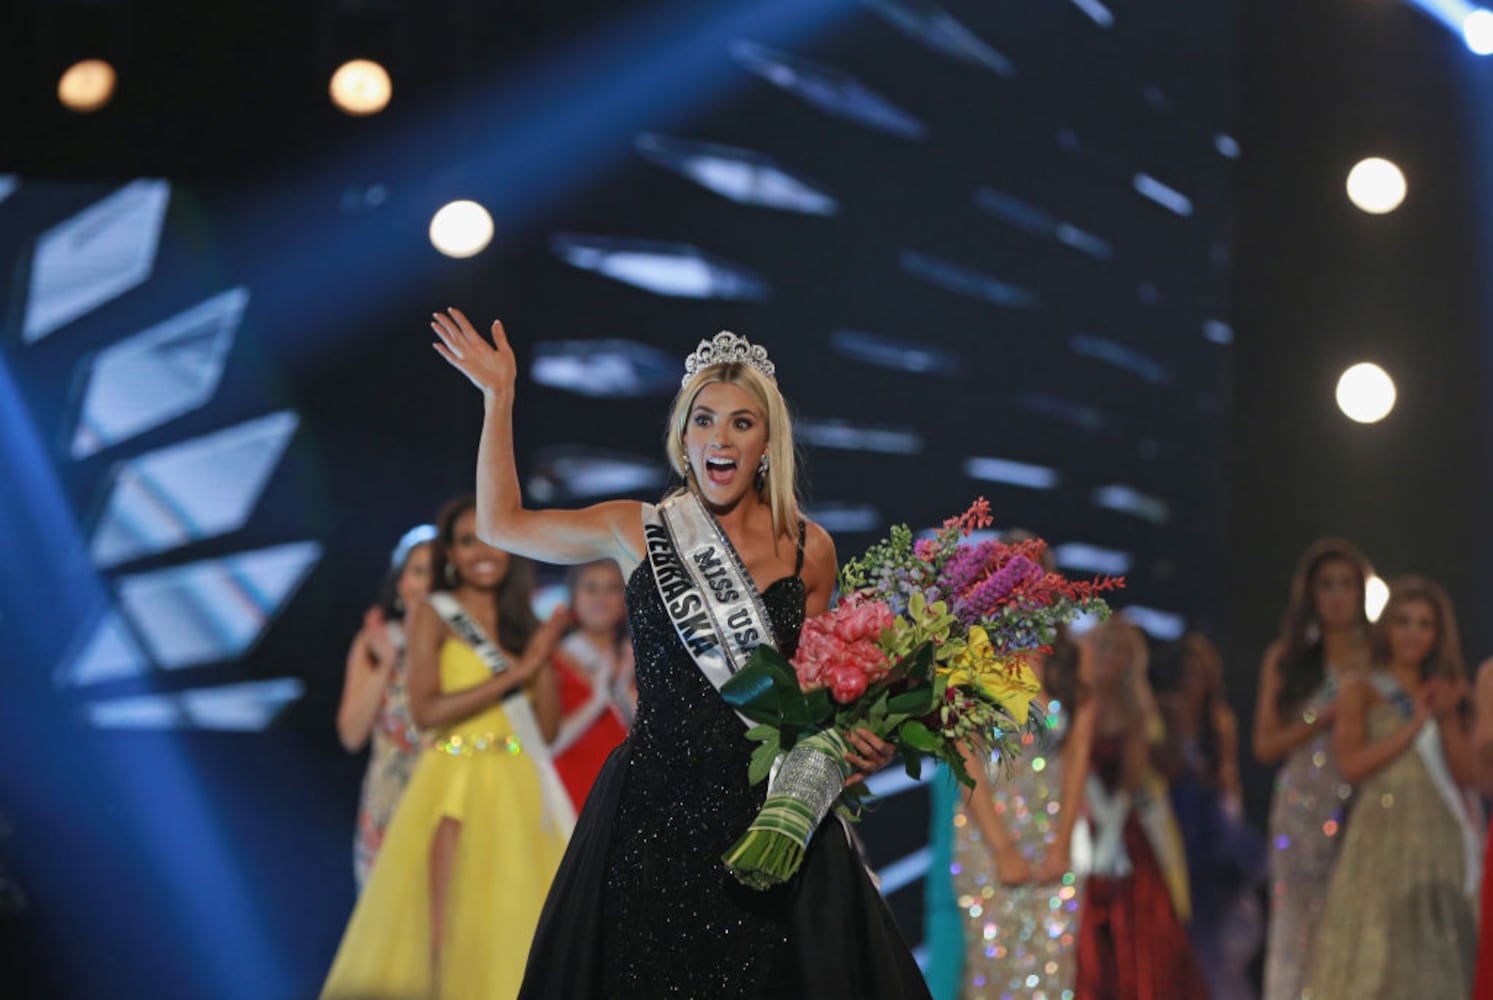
1019	941
1306	820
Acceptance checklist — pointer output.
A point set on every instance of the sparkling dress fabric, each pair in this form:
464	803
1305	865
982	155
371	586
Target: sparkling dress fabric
1306	830
392	755
643	906
1132	946
1397	922
478	774
1019	941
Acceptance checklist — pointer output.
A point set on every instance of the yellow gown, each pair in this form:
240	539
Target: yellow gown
506	856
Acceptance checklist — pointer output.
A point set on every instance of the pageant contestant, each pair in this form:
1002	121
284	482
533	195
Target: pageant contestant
374	702
1401	914
1225	858
1132	942
1482	746
1018	892
456	893
595	667
643	905
1324	637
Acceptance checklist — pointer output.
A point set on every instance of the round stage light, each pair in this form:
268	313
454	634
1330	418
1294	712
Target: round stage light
1366	393
1376	185
1375	597
361	87
461	229
87	85
1477	31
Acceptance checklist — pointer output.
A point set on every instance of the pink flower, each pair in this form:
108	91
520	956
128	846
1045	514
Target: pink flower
839	650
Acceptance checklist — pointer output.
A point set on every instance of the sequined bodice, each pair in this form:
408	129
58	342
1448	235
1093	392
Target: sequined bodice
675	922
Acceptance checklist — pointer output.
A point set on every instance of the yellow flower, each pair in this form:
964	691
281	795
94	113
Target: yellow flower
1007	680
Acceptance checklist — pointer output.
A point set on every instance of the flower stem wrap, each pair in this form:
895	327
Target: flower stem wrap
807	784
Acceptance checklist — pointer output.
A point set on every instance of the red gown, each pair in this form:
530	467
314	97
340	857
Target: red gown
1131	946
580	761
1482	986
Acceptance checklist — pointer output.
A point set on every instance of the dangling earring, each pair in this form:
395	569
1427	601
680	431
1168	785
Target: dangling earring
1313	632
762	467
451	576
689	471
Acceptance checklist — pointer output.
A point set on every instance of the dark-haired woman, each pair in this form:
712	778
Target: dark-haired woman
1324	637
374	704
454	898
1401	914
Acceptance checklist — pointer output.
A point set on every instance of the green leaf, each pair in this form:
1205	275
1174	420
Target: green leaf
916	605
918	736
920	662
918	701
912	764
762	732
762	759
956	764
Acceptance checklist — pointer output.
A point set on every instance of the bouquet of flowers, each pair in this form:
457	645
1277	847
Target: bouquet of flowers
927	648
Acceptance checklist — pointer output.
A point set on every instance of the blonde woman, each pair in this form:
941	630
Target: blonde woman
643	906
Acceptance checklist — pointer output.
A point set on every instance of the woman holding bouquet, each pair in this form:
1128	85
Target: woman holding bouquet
642	905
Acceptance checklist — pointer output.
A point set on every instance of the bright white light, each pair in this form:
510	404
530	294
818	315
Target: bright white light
361	87
461	229
1366	393
87	86
1376	186
1375	597
1477	29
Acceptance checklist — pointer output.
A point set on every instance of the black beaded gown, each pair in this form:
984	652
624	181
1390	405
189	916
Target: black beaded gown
643	906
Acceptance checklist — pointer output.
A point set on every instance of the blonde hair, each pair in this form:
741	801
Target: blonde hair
780	489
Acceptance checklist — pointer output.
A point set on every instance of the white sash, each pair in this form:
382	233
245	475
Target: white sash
1108	812
557	806
578	648
1433	756
706	591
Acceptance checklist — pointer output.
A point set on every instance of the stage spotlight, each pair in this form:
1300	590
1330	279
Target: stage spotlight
87	85
461	229
361	87
1477	31
1375	597
1376	185
1366	393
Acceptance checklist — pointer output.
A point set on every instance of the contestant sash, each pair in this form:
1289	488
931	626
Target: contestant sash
707	593
516	707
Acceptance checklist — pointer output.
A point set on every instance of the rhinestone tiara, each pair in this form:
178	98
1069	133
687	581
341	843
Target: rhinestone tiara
724	348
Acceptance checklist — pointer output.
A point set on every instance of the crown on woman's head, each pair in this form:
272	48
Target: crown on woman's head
724	348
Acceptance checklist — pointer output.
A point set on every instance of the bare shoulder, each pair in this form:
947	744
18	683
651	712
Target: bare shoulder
819	552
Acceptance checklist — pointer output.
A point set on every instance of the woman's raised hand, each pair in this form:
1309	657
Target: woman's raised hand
490	367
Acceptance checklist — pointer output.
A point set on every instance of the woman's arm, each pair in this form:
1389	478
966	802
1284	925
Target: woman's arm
537	662
1276	736
1448	699
1226	727
1358	758
1482	732
429	706
611	530
1010	867
821	570
364	681
1076	750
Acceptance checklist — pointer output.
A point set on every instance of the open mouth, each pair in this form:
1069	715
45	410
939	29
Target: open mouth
720	471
